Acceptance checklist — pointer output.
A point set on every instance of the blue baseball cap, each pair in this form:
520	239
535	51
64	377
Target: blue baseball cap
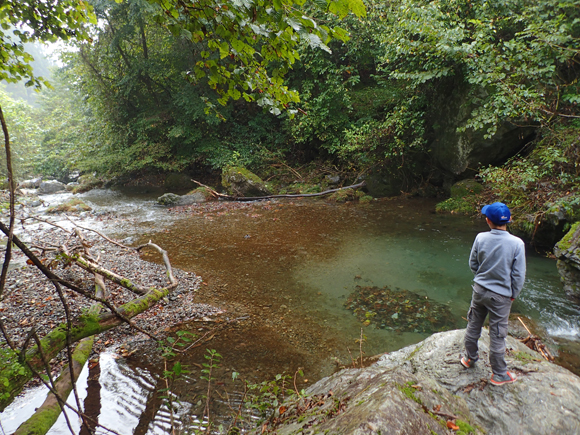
498	213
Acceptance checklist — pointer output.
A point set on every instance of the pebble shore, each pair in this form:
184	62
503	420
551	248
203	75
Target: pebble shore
31	302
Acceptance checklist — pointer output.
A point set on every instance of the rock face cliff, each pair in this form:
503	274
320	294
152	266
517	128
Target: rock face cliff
568	252
418	389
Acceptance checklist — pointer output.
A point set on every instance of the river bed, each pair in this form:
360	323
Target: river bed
286	269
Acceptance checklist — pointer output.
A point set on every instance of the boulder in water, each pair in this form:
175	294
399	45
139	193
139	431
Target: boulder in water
241	182
50	186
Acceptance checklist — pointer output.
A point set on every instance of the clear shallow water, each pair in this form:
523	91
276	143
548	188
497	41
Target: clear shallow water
290	267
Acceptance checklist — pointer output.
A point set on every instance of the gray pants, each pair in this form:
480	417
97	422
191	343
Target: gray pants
484	302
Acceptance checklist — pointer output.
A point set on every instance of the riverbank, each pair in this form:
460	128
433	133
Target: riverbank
31	302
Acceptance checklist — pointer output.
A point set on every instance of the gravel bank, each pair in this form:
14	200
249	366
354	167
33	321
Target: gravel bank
30	301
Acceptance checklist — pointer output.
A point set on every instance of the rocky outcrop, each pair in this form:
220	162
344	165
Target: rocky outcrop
456	151
418	389
567	251
50	186
241	182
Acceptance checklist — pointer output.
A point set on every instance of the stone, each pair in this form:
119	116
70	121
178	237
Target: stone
545	399
169	199
380	185
50	186
332	179
241	182
33	183
465	187
460	151
404	390
567	250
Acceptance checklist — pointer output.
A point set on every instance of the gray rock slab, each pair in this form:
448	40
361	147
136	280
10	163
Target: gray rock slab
544	400
50	186
33	183
374	400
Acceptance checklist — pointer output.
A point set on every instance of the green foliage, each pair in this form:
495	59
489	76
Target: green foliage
551	171
25	134
517	56
23	21
460	205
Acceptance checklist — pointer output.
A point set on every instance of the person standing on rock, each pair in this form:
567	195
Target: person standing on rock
498	260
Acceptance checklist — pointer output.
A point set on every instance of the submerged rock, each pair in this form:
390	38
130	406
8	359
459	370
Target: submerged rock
423	389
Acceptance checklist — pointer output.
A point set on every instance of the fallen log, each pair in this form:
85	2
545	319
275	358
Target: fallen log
46	415
19	369
258	198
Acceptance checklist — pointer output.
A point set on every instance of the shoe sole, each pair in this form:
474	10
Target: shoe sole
466	365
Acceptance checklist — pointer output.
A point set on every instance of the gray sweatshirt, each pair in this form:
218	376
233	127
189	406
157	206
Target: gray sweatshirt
498	260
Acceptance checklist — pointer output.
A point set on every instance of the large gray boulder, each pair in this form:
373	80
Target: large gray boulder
567	251
33	183
50	186
457	151
241	182
544	400
416	390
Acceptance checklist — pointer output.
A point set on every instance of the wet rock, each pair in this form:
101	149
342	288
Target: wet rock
423	389
171	199
50	186
567	251
33	183
87	182
241	182
168	199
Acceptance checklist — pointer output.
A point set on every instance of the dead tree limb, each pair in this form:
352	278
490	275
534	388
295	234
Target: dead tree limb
258	198
12	188
46	415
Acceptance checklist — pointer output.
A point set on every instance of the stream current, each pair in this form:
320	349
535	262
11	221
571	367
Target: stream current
286	269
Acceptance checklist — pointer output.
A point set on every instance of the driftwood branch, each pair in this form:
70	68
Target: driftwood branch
257	198
533	342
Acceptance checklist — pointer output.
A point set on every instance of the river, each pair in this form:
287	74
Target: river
287	269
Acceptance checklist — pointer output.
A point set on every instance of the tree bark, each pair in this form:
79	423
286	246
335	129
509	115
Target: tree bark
47	414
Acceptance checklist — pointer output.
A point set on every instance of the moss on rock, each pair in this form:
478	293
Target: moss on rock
74	205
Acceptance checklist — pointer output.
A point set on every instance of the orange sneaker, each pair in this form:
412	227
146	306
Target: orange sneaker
508	378
468	362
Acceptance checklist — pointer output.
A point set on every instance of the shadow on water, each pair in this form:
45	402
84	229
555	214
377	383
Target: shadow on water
287	269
